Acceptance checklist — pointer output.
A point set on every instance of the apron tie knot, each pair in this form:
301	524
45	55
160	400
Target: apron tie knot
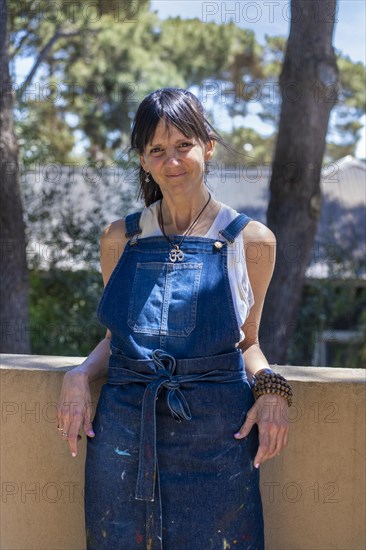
176	401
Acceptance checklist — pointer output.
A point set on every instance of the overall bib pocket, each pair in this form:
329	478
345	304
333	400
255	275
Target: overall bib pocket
164	298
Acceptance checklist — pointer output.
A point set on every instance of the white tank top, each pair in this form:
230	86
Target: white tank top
241	289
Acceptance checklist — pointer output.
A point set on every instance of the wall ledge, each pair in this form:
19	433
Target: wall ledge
56	363
312	493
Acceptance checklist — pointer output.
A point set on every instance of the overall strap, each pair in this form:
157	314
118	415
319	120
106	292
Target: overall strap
235	226
133	224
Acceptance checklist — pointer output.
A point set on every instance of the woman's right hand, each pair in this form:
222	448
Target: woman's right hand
74	408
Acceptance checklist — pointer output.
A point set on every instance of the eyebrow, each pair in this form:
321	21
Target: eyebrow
177	141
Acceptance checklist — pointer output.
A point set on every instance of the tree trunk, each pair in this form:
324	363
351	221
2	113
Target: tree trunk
14	337
309	85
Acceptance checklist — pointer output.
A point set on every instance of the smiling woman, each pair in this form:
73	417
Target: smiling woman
175	160
191	408
173	138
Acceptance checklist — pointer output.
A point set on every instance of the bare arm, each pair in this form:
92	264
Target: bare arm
269	411
74	407
260	246
112	244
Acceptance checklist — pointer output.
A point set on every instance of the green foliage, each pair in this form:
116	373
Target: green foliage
63	307
43	134
120	67
207	50
329	305
273	55
104	66
345	127
336	302
251	148
352	80
102	69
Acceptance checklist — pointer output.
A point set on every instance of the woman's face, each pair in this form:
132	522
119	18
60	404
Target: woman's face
175	162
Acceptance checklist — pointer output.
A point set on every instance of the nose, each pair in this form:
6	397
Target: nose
172	156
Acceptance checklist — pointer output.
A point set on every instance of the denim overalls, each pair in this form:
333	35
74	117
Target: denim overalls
164	470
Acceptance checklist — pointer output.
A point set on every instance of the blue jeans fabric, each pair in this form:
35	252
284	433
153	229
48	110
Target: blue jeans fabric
164	470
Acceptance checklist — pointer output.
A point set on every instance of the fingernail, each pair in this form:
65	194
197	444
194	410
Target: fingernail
73	455
90	432
256	465
237	434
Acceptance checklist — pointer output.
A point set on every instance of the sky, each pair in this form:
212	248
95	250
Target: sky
265	17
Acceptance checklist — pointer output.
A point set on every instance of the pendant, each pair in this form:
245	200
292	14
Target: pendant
176	254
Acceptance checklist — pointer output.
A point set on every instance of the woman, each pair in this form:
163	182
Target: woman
173	459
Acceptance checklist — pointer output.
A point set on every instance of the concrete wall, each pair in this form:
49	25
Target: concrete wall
313	493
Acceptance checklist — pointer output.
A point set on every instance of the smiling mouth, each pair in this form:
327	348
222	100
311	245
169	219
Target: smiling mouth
176	175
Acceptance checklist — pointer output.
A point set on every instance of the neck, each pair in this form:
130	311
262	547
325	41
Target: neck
179	212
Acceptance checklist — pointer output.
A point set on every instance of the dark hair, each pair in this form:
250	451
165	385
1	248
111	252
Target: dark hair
177	107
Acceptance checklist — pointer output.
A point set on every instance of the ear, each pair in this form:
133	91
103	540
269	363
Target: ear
143	163
209	149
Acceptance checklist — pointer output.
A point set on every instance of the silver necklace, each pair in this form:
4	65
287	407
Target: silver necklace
176	253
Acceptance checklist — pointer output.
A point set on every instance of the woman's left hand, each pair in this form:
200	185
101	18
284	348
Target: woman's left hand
270	413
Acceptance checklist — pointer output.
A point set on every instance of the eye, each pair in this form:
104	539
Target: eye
155	150
186	144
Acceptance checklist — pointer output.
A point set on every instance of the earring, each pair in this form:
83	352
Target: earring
147	177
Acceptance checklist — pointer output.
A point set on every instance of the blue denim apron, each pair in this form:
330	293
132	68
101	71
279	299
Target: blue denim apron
164	470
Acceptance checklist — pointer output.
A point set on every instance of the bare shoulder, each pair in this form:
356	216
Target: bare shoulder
257	232
114	230
112	245
259	246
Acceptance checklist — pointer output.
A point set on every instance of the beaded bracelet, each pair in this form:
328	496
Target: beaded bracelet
267	381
